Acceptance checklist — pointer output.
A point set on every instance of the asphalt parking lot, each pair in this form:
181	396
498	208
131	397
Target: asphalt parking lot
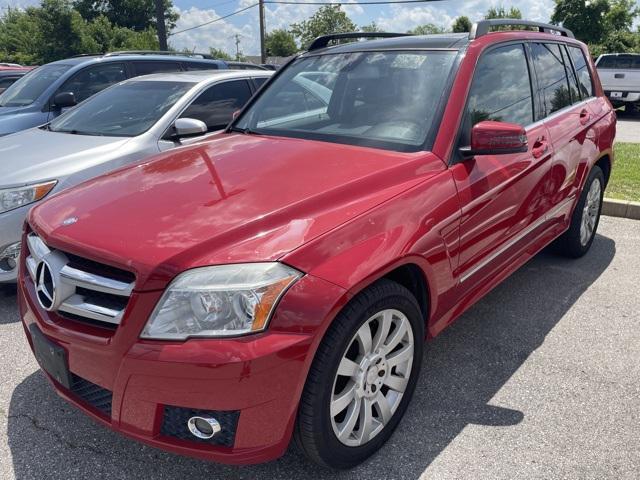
540	379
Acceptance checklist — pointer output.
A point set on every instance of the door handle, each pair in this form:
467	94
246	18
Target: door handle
540	147
585	116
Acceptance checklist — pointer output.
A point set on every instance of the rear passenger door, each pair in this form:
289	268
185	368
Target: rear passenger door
503	197
567	116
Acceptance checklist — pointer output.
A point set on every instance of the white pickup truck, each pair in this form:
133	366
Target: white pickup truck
620	77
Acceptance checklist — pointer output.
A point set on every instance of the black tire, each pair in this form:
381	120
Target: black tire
570	244
314	433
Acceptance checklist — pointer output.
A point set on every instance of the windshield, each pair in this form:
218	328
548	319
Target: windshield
124	110
379	99
29	88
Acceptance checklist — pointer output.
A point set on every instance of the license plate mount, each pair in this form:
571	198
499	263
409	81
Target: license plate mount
51	357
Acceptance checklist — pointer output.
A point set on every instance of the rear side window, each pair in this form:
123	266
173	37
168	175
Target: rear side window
216	105
147	68
573	81
552	76
94	79
501	90
200	66
584	76
259	81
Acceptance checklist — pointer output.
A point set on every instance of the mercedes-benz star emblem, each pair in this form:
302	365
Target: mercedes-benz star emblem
45	286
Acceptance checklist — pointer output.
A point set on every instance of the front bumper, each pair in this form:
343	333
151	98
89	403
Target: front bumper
257	378
10	232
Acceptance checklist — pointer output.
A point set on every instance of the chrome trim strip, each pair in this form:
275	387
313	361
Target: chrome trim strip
37	247
468	274
32	266
80	278
77	305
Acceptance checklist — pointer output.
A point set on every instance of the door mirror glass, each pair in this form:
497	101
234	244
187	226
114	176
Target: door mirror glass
188	127
496	138
64	100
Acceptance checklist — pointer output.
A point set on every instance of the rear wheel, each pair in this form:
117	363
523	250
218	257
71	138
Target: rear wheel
578	239
362	378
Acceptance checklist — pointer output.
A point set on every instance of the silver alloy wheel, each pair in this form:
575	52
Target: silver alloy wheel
372	377
590	212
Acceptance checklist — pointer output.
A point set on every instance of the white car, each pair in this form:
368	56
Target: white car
120	125
620	77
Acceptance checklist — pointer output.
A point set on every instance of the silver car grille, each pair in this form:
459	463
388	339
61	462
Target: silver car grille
75	287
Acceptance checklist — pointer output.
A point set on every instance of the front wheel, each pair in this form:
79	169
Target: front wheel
576	241
362	377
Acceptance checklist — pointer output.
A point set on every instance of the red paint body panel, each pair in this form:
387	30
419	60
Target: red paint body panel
343	215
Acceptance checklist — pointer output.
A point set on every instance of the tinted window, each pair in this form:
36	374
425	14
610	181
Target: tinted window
6	81
125	110
501	90
216	105
94	79
147	68
27	90
259	81
380	99
573	81
552	77
620	62
584	77
201	66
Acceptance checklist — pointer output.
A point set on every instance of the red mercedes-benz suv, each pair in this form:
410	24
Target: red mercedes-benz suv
278	281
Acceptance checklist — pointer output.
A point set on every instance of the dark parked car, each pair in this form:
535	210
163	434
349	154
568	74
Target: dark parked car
44	93
9	75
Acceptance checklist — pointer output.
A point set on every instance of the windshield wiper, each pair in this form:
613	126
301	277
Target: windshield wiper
244	131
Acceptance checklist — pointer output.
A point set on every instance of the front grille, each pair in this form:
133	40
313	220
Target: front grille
94	395
76	288
174	424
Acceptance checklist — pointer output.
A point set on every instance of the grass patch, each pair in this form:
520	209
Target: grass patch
625	178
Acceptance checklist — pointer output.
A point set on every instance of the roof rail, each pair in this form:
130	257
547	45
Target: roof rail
323	41
484	26
160	52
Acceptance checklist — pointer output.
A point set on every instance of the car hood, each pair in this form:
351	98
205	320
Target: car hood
237	198
12	110
36	154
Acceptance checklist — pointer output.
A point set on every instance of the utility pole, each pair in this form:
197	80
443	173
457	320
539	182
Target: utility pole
160	25
263	47
237	47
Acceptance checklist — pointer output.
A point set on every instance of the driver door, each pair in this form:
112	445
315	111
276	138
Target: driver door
503	197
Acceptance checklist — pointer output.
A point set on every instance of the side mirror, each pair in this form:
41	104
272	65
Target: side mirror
496	138
64	100
188	127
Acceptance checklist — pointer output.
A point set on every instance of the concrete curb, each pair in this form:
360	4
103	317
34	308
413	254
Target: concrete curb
621	208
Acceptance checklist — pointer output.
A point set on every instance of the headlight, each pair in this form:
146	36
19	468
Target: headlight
12	198
220	301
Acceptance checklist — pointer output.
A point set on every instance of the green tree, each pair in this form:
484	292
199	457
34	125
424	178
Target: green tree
462	24
502	12
606	23
62	30
328	19
280	43
219	54
371	28
427	29
138	15
20	36
584	19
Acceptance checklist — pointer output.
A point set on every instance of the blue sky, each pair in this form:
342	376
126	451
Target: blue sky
391	18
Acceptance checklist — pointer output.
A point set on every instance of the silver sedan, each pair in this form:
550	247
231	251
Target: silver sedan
123	124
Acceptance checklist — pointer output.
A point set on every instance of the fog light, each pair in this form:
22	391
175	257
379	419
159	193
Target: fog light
204	428
9	257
